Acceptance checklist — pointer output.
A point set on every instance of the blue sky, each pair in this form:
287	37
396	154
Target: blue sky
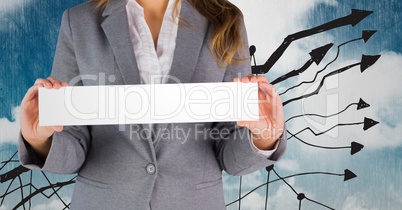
28	33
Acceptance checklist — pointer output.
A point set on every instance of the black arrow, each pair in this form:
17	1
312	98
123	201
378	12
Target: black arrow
316	57
354	146
366	35
360	105
354	18
365	63
368	123
349	175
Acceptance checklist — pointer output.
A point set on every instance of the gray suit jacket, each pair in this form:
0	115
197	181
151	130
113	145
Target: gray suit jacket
120	167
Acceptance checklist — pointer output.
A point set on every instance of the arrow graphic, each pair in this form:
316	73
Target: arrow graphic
354	18
367	123
354	146
366	35
316	57
360	105
365	63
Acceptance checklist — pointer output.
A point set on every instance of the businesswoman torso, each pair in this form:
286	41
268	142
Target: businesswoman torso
118	168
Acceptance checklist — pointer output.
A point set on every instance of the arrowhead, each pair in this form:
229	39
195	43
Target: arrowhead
252	50
367	61
318	54
356	147
358	15
368	123
349	175
269	168
362	104
366	35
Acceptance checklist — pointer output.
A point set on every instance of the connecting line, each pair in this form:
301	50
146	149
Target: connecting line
285	182
30	188
58	184
22	189
240	192
299	204
303	194
283	178
325	67
318	134
55	192
312	145
266	192
322	83
6	193
318	203
323	116
67	207
8	161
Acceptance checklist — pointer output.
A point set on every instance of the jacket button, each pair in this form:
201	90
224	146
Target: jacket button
151	168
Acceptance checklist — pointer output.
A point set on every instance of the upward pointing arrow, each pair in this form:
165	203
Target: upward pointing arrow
316	57
354	18
366	62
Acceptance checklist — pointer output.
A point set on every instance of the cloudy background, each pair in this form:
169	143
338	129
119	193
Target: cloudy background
28	33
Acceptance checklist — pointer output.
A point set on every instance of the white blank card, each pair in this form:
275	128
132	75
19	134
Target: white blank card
137	104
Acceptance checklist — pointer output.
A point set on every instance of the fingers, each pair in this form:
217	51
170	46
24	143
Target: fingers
55	83
251	78
49	83
30	94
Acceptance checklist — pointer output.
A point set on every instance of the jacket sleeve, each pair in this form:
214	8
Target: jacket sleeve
69	147
234	152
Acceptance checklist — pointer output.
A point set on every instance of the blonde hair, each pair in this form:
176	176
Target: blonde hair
226	19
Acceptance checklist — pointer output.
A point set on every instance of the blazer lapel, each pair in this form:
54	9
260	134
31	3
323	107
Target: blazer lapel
190	39
115	26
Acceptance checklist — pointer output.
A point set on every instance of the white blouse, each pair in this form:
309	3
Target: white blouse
154	65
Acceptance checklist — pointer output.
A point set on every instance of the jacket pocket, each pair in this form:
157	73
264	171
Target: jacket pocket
209	183
92	183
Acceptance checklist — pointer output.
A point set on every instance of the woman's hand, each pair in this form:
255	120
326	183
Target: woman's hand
270	126
37	136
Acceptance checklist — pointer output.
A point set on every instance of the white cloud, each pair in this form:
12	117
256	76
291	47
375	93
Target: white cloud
288	165
353	202
253	201
284	197
4	207
9	130
54	204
